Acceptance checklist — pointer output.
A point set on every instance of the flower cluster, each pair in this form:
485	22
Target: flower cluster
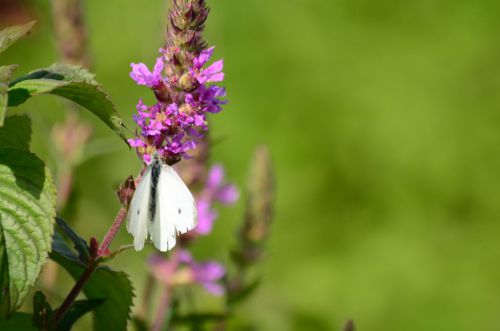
178	119
181	269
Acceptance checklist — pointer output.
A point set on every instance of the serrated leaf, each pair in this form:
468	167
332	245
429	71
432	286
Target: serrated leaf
77	310
22	91
112	286
17	322
6	73
16	132
43	314
27	211
73	83
10	35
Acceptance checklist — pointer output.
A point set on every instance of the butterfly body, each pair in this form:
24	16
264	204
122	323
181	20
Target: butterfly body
162	207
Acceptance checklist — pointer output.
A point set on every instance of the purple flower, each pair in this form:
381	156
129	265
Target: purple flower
204	57
182	269
136	142
142	76
163	269
176	145
206	216
211	74
206	273
207	99
216	190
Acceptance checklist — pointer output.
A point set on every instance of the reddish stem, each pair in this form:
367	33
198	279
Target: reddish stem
77	288
91	266
113	230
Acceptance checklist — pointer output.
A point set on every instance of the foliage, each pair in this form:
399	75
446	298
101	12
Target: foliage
113	289
26	214
70	82
27	205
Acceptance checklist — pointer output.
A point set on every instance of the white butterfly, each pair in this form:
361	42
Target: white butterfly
162	207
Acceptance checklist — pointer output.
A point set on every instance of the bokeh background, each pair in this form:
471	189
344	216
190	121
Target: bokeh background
383	118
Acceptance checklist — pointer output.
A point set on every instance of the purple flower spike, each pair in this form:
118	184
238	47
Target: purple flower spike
180	82
142	76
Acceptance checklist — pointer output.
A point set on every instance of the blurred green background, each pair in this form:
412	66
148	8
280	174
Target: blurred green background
383	118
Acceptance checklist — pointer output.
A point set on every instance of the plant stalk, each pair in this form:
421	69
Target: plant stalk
113	230
161	313
91	266
77	288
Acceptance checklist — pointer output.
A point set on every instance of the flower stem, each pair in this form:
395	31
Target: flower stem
113	230
145	305
77	288
161	313
92	264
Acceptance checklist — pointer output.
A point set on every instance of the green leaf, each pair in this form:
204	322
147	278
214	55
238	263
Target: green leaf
77	310
80	244
17	322
16	132
112	286
10	35
6	73
27	211
61	251
73	83
43	314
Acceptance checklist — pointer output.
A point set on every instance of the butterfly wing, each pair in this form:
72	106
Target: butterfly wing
138	213
175	210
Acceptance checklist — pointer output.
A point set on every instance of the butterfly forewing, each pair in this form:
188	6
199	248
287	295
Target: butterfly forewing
175	210
138	213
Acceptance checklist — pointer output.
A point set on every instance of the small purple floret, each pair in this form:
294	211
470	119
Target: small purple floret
142	76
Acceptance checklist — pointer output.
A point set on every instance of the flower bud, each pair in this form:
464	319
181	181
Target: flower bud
260	199
259	210
187	82
126	191
94	247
